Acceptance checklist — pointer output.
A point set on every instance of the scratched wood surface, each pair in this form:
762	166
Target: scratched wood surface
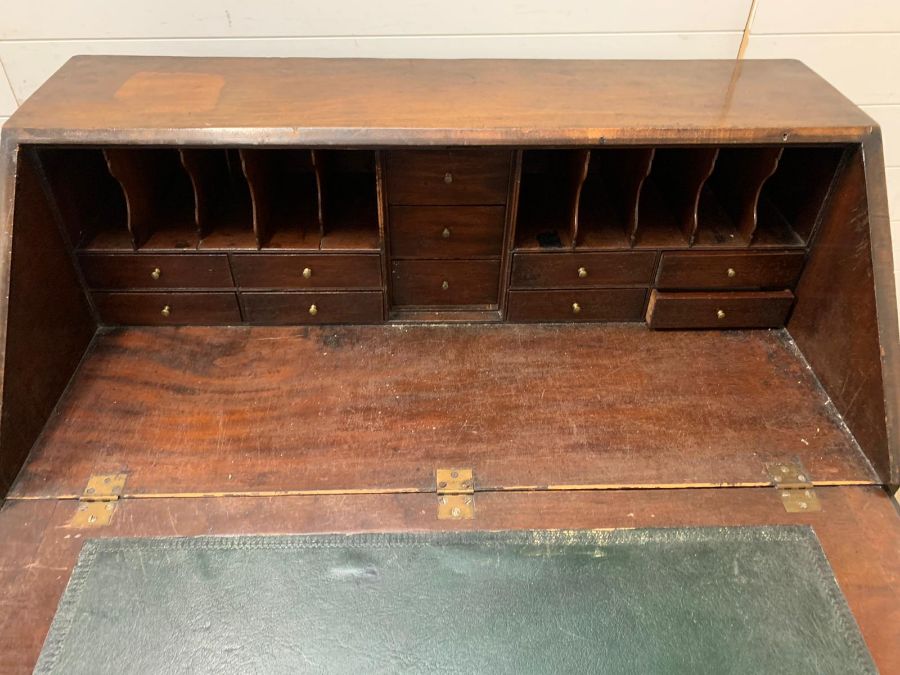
187	410
858	528
409	101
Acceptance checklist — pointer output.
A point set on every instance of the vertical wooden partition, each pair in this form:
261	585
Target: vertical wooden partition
727	211
550	187
285	188
790	202
349	199
224	212
670	195
159	195
608	207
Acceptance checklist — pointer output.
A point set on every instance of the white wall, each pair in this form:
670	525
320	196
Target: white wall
856	45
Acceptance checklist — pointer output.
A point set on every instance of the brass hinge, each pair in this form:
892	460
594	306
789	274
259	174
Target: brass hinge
98	502
794	487
456	494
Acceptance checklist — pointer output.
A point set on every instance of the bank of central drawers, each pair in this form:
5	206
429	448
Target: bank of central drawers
446	226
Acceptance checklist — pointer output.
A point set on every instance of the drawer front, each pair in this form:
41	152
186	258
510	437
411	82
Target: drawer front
156	271
313	308
167	309
432	283
778	269
606	304
260	270
739	309
582	270
456	176
446	231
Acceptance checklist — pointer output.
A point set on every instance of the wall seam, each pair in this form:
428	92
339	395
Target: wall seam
376	36
9	83
748	26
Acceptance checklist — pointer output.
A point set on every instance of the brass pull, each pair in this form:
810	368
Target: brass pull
155	274
582	272
731	272
307	272
576	308
446	233
313	310
720	314
166	311
448	178
445	285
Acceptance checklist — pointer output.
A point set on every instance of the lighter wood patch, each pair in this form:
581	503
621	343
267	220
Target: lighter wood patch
172	92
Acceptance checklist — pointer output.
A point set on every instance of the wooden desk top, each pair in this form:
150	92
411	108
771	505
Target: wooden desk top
400	101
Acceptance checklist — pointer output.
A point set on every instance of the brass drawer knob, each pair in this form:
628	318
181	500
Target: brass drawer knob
576	308
313	310
156	273
166	311
720	314
448	178
731	272
582	272
307	272
446	233
445	285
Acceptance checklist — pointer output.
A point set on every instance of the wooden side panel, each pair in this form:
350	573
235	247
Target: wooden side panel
885	296
835	320
48	324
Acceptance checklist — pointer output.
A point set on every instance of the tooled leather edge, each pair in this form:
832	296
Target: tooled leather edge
522	537
845	622
67	610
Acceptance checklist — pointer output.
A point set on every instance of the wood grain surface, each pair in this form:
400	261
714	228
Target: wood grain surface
255	409
404	101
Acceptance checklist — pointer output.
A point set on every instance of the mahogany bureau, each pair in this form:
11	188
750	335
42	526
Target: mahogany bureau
604	287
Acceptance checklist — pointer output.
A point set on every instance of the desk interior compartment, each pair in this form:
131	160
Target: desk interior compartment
159	195
608	203
727	210
224	208
669	197
285	188
90	202
350	199
791	201
548	198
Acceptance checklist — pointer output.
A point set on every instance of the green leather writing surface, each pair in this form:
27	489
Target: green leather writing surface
704	600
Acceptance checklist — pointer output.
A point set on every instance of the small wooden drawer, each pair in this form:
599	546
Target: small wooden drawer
776	269
190	270
739	309
606	304
313	308
163	309
431	283
261	270
452	176
582	270
446	231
